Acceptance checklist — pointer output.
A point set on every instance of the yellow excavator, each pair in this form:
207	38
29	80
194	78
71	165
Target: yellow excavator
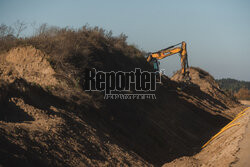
175	49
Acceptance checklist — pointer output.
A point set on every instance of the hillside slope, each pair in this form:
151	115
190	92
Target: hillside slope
208	84
47	119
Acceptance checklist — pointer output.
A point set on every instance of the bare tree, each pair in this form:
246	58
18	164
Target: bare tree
19	26
42	29
5	30
33	25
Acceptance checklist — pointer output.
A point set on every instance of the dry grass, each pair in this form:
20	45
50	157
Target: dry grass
71	51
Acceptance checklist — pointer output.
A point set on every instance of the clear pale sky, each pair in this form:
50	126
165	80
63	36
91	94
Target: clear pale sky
217	32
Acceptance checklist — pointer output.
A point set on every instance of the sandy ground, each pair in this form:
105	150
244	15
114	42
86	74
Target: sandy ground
243	155
245	102
229	148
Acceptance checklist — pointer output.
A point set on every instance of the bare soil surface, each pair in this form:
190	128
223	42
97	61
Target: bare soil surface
245	102
207	84
47	119
228	148
30	64
243	154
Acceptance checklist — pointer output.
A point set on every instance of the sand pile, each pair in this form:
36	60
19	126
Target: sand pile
200	77
30	64
207	84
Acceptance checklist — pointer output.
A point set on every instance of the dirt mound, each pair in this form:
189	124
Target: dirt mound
66	126
89	131
30	64
203	79
207	84
200	77
40	129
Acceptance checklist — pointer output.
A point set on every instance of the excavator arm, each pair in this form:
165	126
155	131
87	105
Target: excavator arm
171	51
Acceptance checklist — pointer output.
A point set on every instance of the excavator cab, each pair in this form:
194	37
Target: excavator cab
156	64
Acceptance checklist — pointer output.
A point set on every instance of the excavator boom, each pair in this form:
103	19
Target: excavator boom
161	54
